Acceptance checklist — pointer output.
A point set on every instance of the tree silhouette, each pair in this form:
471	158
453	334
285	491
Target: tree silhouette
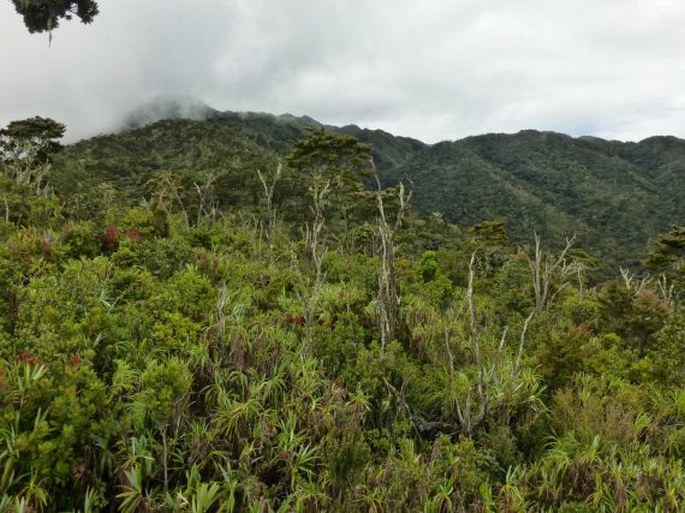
45	15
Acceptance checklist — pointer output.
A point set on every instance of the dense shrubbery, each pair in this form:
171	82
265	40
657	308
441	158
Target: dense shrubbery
155	361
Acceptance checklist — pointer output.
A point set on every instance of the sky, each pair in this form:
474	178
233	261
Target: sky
430	69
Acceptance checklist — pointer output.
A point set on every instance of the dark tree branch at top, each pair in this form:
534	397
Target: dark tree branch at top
45	15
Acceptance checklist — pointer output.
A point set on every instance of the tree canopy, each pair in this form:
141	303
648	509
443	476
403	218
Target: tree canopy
45	15
34	129
323	149
26	150
35	138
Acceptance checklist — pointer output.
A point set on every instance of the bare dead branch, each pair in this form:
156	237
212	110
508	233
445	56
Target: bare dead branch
544	269
270	210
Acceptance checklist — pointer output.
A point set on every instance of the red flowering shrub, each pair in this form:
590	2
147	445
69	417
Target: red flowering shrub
111	241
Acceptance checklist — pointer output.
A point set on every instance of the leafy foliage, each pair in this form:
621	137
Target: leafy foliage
45	15
26	150
164	349
615	197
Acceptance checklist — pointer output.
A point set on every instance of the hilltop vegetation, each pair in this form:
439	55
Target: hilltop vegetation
614	196
194	319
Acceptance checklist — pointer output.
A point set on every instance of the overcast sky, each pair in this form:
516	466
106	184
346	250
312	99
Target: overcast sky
430	69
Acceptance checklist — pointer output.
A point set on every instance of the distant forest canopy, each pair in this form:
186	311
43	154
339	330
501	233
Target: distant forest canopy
240	315
614	196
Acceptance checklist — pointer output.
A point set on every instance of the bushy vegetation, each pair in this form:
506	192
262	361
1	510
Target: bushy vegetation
313	345
615	197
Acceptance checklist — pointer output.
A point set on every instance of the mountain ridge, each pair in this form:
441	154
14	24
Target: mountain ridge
615	196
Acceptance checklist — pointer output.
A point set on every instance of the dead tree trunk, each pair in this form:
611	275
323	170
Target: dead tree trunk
319	192
388	294
270	210
544	268
474	409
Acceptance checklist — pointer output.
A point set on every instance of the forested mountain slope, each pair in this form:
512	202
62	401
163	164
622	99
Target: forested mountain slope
614	196
188	150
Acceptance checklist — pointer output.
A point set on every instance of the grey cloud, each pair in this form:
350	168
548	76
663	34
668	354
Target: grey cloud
435	70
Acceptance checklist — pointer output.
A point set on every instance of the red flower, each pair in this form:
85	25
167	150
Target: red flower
27	356
73	361
111	237
134	235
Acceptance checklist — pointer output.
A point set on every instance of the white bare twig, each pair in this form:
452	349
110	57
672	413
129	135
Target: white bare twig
544	268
